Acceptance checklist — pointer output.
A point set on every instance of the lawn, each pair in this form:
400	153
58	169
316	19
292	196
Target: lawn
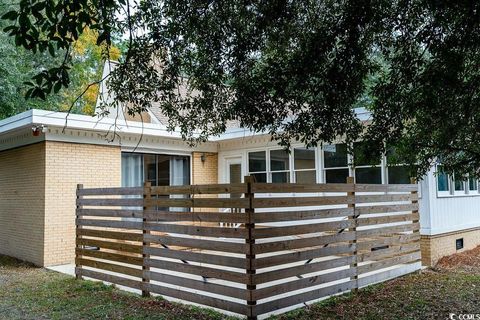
27	292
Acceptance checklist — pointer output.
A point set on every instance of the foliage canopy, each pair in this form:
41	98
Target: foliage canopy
294	69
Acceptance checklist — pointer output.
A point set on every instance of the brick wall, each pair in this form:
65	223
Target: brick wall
22	202
435	247
68	164
204	172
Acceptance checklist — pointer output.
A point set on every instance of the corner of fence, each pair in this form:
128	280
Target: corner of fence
353	228
147	195
414	199
250	243
77	233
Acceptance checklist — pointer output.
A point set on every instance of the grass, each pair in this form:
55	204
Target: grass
27	292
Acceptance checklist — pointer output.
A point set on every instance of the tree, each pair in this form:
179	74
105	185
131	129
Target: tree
295	69
19	65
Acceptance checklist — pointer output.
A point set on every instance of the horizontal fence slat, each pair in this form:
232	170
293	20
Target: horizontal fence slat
120	202
388	219
360	210
391	240
109	256
264	277
192	256
199	203
387	230
389	252
234	292
385	198
277	260
196	298
126	247
223	232
301	229
109	234
110	191
109	224
302	283
276	202
109	267
153	215
359	187
212	245
303	297
382	264
110	213
282	245
200	189
280	216
300	188
197	270
135	284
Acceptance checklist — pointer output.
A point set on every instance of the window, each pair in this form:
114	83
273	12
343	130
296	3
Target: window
472	185
443	181
257	165
366	171
279	166
458	184
304	165
396	173
335	160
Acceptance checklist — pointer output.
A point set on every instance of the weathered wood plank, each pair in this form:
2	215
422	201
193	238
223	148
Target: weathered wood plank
120	246
198	202
120	213
270	232
192	256
300	188
111	191
109	256
391	240
301	269
196	298
303	297
109	224
135	284
386	230
153	215
359	187
385	198
389	252
277	202
110	234
222	246
387	219
279	216
201	189
295	256
197	230
228	291
110	267
197	270
282	245
120	202
362	210
398	260
271	291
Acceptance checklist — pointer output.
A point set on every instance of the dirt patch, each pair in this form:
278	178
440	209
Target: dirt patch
468	260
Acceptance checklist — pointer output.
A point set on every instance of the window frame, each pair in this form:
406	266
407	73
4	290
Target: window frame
315	160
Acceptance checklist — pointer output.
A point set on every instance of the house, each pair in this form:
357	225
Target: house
43	155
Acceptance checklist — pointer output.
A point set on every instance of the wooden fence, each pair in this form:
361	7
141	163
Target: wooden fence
278	246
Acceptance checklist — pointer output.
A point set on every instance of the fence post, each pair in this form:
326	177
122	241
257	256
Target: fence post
78	275
147	195
353	229
250	242
414	194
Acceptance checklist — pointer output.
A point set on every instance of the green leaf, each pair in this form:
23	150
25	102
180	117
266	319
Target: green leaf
11	15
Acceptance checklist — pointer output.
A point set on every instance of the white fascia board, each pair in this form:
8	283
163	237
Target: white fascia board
18	121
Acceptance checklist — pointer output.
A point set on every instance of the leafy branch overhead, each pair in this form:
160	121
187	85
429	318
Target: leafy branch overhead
294	69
